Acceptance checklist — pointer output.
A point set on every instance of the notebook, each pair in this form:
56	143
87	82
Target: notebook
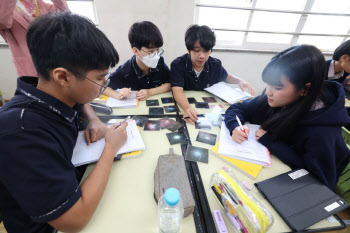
123	103
300	199
250	150
229	94
250	169
84	154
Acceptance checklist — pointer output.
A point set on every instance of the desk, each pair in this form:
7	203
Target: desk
141	109
127	204
198	96
215	164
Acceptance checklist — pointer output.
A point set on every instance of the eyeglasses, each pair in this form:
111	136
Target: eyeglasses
159	52
108	75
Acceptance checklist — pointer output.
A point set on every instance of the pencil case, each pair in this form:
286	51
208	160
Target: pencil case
242	210
171	173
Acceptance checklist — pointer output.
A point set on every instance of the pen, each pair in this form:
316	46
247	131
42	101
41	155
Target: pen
240	125
122	122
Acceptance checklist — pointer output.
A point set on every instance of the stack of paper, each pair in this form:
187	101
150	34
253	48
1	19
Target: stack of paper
84	154
123	103
247	168
250	150
231	95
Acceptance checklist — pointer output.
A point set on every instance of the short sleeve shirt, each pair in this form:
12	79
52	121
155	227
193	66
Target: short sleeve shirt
37	178
129	75
183	75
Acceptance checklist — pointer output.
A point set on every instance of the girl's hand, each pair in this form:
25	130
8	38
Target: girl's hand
243	84
238	135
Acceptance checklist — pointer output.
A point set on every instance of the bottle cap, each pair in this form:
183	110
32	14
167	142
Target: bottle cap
172	196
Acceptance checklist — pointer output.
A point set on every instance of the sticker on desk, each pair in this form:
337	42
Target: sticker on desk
332	206
297	174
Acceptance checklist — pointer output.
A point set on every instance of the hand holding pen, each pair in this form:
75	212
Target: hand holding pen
240	133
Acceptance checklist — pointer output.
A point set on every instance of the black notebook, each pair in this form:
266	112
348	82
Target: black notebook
300	199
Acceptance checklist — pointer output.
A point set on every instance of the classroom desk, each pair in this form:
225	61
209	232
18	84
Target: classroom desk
141	109
215	164
128	204
198	96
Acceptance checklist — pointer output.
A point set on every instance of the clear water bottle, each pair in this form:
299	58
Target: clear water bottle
170	211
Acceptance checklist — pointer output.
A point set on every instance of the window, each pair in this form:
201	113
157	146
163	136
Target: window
275	24
82	7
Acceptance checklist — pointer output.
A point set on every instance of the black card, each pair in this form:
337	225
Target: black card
167	100
197	154
207	138
170	109
176	138
192	100
152	102
140	120
202	105
156	111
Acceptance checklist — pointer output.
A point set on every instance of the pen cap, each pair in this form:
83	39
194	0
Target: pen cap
172	196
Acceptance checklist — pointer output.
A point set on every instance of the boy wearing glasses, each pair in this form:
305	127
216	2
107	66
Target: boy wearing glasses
39	188
197	70
146	71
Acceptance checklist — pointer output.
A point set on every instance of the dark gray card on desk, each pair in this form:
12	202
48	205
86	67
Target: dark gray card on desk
300	199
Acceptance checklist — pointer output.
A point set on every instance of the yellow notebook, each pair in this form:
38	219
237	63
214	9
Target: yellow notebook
103	97
247	168
133	154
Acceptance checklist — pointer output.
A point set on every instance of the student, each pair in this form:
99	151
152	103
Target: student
146	71
39	127
198	70
339	65
300	114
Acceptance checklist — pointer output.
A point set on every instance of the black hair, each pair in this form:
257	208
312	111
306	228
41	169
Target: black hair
202	33
343	49
70	41
145	34
299	65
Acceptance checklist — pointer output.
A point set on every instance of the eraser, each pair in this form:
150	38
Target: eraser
219	221
246	185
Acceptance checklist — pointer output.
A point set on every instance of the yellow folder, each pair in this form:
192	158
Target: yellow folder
247	168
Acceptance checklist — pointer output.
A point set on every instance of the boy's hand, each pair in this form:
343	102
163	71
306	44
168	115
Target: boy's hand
95	131
243	84
124	93
190	115
238	135
143	94
116	137
259	133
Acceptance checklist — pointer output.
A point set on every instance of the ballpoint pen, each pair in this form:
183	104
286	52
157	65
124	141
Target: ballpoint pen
240	125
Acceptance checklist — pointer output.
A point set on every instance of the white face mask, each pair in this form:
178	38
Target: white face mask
150	62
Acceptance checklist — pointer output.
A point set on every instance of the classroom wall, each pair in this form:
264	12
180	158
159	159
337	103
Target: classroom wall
172	17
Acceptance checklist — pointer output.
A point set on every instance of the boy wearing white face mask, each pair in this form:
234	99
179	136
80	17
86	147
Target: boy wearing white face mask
146	71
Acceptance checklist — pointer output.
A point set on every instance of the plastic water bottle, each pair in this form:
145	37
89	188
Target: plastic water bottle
171	211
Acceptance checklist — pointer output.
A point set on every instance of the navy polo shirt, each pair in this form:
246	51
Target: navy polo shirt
183	75
129	75
37	179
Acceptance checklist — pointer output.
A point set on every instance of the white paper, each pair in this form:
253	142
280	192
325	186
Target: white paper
83	154
231	95
250	150
123	103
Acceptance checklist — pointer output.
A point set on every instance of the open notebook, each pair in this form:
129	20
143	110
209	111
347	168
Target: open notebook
229	94
84	154
123	103
250	150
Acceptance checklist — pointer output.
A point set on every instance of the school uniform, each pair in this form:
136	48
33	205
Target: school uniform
339	76
129	75
316	143
183	75
37	178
